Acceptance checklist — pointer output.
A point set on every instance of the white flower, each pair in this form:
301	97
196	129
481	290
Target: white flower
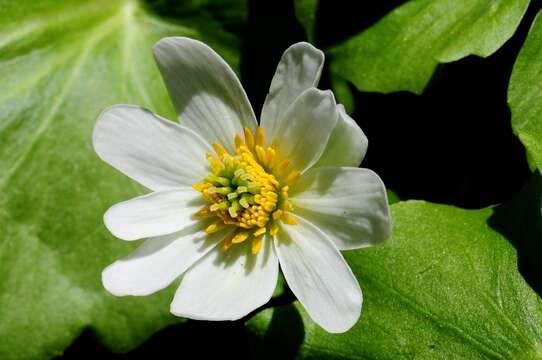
231	200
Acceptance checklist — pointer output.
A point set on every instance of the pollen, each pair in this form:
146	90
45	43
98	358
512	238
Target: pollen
247	189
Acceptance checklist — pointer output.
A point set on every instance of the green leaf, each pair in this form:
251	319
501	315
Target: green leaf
403	49
446	286
305	11
343	93
520	221
525	93
61	63
392	196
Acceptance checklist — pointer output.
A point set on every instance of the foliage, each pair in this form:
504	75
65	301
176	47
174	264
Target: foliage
446	286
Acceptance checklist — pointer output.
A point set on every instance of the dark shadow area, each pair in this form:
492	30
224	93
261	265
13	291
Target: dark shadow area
193	339
520	221
453	144
230	14
201	339
338	20
284	336
272	28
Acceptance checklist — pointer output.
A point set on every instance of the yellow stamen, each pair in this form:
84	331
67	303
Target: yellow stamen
262	157
281	167
249	138
227	243
274	229
220	151
240	237
260	136
256	244
259	232
203	213
287	206
284	192
216	165
238	141
288	219
247	189
217	226
271	157
293	177
201	186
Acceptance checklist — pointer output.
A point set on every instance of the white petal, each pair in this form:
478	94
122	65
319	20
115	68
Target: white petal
299	69
303	135
155	152
154	214
205	91
227	285
347	145
348	204
159	261
319	276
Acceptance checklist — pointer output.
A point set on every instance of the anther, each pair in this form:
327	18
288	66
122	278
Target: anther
256	244
260	136
203	213
293	177
234	208
220	190
249	138
260	152
282	166
240	237
219	149
223	205
217	226
238	141
274	229
227	243
288	219
259	232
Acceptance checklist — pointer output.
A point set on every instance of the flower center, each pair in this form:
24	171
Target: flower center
248	189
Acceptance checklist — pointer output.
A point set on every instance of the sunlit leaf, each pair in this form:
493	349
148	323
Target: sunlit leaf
305	11
525	93
446	286
61	63
403	49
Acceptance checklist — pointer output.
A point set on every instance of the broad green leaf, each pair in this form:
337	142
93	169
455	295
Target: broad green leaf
392	196
403	49
520	221
230	13
305	11
446	286
61	63
343	93
525	93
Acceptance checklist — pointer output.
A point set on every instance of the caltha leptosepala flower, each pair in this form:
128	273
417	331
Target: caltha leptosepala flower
232	199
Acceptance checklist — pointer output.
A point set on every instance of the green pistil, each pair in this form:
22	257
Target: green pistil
246	200
253	188
218	180
221	190
234	208
237	186
223	205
